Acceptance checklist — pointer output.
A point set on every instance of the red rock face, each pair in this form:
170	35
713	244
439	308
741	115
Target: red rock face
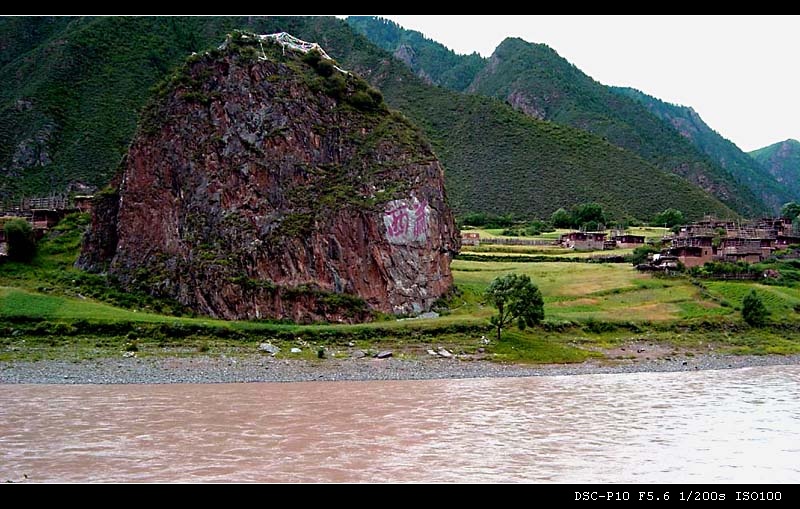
261	189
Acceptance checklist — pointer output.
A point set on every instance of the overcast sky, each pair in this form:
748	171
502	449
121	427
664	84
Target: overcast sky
741	74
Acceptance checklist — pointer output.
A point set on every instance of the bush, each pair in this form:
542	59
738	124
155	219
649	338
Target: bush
20	239
791	210
753	310
484	220
639	255
562	219
325	68
335	85
312	58
588	215
669	218
363	101
537	227
376	95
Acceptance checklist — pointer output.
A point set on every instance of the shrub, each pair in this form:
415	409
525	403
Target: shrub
669	218
753	310
20	239
639	254
325	68
312	58
335	85
362	100
562	219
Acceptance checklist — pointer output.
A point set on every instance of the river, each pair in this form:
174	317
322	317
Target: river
738	425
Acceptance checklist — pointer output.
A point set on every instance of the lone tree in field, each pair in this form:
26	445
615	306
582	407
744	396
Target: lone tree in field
753	310
21	243
516	299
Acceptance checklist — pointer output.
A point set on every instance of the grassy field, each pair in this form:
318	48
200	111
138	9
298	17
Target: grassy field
48	309
608	292
649	232
497	233
552	251
573	291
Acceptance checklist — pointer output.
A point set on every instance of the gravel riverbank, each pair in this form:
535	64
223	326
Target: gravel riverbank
258	368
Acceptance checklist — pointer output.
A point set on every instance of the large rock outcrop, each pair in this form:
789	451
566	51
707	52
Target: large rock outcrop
266	183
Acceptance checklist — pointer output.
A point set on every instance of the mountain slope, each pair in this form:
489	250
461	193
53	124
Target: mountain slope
782	161
535	79
68	105
430	60
18	35
689	124
68	111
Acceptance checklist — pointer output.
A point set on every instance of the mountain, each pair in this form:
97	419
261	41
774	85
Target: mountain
782	162
68	110
749	172
70	91
534	79
430	60
18	35
267	183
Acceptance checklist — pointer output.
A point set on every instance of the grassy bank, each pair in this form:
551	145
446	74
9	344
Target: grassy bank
48	309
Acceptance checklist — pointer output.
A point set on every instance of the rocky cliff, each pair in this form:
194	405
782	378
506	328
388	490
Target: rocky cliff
265	182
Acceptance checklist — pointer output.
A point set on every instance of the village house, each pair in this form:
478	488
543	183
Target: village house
43	213
720	240
586	241
470	239
692	256
44	219
84	203
787	240
626	240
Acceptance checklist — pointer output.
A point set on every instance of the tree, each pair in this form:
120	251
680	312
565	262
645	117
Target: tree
669	218
562	219
588	213
20	239
753	310
640	254
516	298
791	210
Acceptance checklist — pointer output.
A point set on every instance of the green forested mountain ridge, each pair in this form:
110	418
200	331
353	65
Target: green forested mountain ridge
19	35
68	109
748	171
430	60
68	98
535	79
782	162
